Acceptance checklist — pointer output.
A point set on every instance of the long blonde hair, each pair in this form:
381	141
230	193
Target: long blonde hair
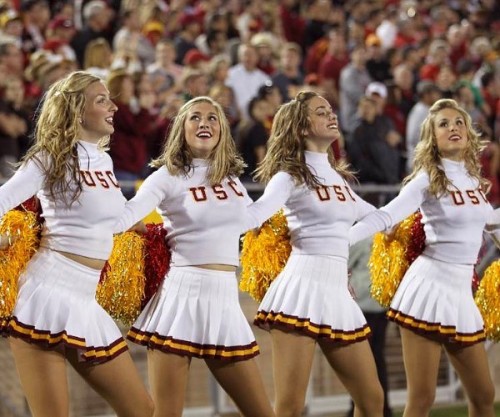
286	145
224	160
57	132
428	159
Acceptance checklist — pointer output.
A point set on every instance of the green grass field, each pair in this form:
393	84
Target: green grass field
460	411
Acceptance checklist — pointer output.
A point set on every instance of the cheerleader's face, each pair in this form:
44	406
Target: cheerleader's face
202	129
450	131
323	125
97	120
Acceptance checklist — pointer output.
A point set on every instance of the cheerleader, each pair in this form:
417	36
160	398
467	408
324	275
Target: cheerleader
309	302
196	312
434	304
56	317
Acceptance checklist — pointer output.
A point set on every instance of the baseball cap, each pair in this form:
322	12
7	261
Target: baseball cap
378	88
61	22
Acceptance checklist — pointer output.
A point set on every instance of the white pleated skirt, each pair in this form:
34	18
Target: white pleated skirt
311	296
56	309
435	299
196	313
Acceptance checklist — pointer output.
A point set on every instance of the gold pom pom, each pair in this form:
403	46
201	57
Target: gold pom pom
264	254
23	229
488	300
121	289
388	261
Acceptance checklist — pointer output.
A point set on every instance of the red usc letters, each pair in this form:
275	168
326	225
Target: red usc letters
221	192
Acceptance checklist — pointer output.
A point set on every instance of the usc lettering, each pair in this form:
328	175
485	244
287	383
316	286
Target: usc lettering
105	179
472	196
341	192
220	192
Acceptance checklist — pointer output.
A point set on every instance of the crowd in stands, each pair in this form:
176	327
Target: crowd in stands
380	63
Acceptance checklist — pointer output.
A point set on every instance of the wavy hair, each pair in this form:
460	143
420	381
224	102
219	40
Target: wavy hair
428	159
57	132
177	157
286	145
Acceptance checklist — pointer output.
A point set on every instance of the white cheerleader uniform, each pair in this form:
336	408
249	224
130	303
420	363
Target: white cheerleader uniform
311	294
196	311
56	306
435	296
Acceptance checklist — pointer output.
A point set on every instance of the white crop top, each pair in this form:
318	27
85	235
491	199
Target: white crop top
86	227
319	220
204	222
453	223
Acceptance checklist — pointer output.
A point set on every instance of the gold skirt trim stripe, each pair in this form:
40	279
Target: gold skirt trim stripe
436	331
186	348
93	354
271	319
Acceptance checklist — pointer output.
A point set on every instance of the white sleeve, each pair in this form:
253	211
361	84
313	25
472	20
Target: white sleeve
277	192
25	183
363	208
150	194
493	226
407	202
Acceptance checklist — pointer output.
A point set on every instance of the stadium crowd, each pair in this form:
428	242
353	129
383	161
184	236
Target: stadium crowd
380	63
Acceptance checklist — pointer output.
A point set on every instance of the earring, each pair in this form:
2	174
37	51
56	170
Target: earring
80	121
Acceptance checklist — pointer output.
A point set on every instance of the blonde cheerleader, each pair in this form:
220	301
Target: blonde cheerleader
196	312
309	302
56	318
433	304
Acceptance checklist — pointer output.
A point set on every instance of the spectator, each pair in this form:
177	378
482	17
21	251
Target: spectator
332	63
36	16
377	64
133	123
438	56
289	74
184	41
11	57
130	36
354	79
265	45
96	22
194	83
98	57
253	135
428	93
245	78
371	152
14	125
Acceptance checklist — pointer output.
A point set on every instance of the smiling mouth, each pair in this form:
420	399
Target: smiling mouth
204	135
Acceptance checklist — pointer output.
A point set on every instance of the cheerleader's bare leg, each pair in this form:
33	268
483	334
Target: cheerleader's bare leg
168	377
471	365
356	369
42	373
293	355
421	359
243	383
118	382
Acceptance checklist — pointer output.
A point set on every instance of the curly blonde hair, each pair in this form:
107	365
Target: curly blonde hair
286	145
57	132
428	159
177	157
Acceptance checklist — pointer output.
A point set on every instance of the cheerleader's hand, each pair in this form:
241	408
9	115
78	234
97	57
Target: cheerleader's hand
349	286
139	227
5	241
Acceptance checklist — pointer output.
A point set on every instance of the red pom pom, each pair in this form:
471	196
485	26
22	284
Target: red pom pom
32	204
156	260
417	241
475	281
